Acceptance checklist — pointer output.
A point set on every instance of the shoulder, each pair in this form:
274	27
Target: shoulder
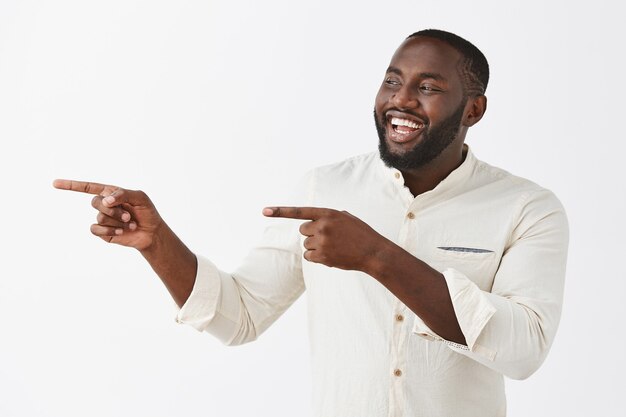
523	189
532	207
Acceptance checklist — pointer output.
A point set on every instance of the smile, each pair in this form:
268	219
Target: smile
405	126
402	129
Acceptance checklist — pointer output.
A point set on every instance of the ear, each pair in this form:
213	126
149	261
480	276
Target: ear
475	108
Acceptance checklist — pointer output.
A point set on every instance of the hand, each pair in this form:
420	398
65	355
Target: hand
124	217
334	238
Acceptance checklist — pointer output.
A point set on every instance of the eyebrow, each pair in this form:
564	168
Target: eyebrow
432	75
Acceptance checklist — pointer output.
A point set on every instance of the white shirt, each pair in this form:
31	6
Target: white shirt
500	242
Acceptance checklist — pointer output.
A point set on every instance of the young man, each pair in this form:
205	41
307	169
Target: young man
429	273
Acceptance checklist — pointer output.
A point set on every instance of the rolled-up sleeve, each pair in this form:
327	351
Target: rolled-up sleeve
511	328
237	307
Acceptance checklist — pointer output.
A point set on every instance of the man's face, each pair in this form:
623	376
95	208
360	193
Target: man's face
420	104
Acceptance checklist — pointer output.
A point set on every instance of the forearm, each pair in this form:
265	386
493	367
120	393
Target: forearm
420	287
173	262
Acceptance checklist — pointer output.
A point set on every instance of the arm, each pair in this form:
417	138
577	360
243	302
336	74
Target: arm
235	307
420	287
509	329
341	240
130	219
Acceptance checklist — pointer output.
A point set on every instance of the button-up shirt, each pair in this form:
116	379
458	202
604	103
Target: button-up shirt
500	242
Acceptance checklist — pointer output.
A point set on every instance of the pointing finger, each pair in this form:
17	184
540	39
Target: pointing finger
303	213
112	195
81	186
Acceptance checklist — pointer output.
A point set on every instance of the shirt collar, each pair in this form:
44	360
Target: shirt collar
451	182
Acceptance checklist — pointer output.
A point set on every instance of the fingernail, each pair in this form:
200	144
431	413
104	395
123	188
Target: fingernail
108	200
268	211
119	231
132	225
125	217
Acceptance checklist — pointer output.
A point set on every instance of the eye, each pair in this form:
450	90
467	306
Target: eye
391	81
428	88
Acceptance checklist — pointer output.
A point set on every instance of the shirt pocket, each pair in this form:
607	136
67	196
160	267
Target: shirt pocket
477	264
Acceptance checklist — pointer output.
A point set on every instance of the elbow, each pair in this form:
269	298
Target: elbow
535	351
521	373
239	339
246	333
521	370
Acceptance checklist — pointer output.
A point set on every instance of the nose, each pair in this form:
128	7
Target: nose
404	98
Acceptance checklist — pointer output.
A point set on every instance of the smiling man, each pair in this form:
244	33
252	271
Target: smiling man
430	275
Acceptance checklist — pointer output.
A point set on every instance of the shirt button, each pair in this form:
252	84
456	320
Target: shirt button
397	175
399	317
410	215
397	372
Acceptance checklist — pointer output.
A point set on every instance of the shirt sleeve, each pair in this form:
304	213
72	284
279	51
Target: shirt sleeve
237	307
511	328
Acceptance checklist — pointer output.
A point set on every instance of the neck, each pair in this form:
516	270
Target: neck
427	177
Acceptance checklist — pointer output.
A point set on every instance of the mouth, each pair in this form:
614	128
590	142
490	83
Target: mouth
402	127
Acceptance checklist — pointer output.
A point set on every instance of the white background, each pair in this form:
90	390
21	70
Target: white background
215	108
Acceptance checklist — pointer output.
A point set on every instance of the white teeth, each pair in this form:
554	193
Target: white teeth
404	122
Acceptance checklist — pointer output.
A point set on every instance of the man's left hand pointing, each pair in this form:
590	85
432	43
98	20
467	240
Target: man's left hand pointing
334	238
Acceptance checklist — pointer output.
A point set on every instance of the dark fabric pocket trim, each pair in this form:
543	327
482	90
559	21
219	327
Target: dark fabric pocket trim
462	249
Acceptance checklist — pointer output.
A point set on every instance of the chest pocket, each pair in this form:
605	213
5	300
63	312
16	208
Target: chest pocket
479	265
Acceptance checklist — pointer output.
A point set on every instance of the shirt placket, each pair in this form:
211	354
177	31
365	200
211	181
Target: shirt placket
407	239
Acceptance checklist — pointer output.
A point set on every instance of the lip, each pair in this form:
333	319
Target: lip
398	137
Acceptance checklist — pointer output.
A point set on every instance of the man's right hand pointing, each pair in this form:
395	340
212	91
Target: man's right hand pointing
124	217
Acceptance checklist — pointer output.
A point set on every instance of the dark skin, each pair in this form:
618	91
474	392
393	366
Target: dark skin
409	91
423	83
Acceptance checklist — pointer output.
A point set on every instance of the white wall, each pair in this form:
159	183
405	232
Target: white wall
215	108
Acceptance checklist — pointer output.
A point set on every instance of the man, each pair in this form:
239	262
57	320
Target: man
429	273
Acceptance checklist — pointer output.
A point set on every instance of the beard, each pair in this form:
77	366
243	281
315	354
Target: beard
435	139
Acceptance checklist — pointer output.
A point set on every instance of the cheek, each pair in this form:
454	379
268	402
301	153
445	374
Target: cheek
382	97
438	107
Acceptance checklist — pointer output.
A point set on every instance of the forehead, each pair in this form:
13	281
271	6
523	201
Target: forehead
421	54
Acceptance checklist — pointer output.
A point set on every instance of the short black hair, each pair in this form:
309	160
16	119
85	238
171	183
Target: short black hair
474	69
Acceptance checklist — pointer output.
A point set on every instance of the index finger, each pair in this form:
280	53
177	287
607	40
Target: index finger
303	213
80	186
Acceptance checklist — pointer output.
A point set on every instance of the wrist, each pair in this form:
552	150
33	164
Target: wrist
159	239
383	253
